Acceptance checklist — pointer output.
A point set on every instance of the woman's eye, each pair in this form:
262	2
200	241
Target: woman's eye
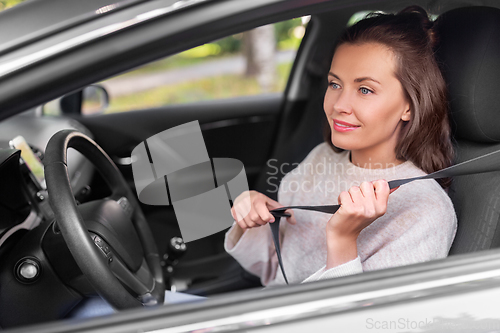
365	91
334	85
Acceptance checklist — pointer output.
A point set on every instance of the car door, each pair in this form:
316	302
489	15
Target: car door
240	124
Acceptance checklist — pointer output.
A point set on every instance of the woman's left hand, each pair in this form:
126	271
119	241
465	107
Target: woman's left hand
359	207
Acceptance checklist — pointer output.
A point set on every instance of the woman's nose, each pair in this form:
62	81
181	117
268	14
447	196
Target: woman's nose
343	103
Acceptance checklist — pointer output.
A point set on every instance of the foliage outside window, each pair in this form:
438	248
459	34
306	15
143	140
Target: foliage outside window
6	4
217	70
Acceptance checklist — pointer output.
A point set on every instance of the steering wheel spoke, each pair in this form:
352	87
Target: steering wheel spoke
140	283
126	206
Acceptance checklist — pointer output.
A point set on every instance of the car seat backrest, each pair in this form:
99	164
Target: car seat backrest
469	55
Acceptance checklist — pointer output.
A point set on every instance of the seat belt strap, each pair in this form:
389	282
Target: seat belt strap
485	163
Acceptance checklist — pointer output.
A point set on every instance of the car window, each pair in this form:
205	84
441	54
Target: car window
254	62
6	4
362	14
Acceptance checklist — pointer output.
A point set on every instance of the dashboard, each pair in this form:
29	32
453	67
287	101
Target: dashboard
36	266
16	211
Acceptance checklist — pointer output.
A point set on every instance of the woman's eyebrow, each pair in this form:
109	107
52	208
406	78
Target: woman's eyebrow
361	79
335	76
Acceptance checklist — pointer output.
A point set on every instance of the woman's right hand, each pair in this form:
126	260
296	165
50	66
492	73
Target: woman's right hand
251	210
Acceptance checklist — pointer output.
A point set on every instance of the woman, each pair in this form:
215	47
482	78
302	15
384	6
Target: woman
387	115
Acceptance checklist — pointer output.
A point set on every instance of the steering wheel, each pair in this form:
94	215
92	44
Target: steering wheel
109	238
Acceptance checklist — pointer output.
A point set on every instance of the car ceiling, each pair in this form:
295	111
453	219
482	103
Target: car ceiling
35	19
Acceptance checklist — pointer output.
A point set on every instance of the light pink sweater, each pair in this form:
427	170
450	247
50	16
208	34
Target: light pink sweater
419	225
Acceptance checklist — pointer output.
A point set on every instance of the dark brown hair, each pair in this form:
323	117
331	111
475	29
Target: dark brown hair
425	139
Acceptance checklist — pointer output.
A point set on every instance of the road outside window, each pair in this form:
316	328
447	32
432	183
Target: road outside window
254	62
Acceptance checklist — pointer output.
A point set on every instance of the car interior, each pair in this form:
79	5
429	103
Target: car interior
283	126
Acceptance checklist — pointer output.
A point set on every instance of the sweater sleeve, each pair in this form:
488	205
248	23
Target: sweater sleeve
349	268
422	230
254	250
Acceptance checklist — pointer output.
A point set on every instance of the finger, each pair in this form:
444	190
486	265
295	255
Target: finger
291	219
355	193
255	217
243	204
345	198
271	203
242	224
236	215
264	213
367	190
249	223
381	190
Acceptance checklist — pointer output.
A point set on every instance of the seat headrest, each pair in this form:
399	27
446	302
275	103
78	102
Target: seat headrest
469	55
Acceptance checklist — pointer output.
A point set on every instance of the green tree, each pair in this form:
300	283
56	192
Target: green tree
4	4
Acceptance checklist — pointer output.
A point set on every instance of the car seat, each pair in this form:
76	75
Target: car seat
469	56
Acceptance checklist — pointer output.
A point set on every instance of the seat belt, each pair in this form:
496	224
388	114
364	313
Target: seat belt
486	163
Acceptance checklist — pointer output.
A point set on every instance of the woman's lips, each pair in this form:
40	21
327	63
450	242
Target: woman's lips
342	126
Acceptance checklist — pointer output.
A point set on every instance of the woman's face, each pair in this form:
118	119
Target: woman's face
365	103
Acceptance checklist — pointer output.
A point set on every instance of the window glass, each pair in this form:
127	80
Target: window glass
6	4
250	63
362	14
359	16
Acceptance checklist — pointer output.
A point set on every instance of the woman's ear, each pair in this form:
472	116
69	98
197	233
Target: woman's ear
406	115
